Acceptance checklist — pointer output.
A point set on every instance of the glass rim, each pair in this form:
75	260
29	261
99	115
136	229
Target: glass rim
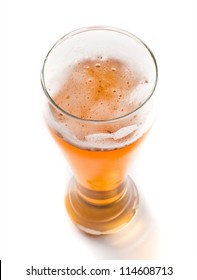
87	29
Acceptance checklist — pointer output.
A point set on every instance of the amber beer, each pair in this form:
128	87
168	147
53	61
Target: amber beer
100	171
99	115
99	89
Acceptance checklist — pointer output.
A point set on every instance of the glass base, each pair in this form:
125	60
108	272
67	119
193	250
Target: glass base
102	219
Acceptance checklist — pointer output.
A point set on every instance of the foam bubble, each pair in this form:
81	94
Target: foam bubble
97	65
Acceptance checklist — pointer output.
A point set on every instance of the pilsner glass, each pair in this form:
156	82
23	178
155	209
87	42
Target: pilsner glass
99	82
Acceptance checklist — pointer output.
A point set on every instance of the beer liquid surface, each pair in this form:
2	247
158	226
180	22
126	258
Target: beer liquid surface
99	89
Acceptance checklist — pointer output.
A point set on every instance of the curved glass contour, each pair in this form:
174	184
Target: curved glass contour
99	82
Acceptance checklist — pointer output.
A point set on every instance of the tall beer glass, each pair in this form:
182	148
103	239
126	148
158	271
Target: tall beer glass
99	83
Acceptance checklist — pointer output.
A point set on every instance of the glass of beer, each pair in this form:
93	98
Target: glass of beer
99	83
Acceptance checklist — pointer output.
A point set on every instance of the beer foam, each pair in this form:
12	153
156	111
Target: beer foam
101	89
121	133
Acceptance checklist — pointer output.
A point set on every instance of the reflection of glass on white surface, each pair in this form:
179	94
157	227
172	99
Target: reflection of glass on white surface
139	240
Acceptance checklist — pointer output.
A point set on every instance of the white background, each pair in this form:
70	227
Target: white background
35	228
